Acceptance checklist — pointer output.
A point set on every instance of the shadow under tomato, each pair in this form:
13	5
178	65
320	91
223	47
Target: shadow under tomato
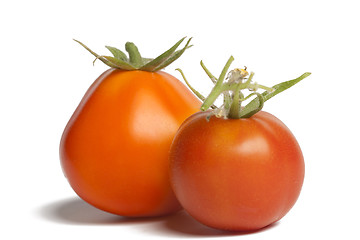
77	211
183	224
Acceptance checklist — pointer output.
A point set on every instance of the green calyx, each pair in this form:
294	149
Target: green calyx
231	84
135	61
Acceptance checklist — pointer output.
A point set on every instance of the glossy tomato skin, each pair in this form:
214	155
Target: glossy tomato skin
236	174
114	150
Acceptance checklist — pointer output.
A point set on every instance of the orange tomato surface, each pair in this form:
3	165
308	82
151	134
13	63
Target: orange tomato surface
114	150
236	174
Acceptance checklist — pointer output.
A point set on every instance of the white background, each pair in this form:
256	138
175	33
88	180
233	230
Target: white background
44	75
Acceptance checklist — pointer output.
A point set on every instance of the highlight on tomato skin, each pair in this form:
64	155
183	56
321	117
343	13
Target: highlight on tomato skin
115	148
236	167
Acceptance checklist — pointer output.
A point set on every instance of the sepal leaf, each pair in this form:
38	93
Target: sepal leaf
117	63
278	88
135	61
173	57
250	112
166	58
118	54
231	85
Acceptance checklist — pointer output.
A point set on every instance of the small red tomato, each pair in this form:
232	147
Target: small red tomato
236	168
236	174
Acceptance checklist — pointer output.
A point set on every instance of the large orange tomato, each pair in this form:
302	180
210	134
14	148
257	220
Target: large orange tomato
115	148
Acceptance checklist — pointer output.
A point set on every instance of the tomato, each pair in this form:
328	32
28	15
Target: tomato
236	174
114	150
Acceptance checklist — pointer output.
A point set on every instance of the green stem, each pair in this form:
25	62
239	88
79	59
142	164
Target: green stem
232	87
227	101
199	95
134	54
235	107
212	77
119	59
218	88
257	86
248	82
251	86
261	101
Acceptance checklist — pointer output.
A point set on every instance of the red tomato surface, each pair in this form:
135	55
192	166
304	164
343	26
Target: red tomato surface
236	174
115	149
